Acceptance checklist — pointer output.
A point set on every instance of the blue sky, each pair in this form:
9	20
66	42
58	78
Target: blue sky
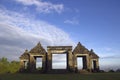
95	23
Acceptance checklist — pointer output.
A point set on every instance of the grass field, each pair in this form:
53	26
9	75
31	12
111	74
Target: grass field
92	76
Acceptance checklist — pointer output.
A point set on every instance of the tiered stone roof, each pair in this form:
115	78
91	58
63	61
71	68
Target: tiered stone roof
93	55
25	55
37	50
80	49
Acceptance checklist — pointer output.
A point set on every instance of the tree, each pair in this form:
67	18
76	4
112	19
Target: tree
8	67
118	70
111	70
4	65
14	67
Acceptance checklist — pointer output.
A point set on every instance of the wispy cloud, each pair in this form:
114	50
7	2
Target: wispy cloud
72	21
107	52
18	32
43	6
111	57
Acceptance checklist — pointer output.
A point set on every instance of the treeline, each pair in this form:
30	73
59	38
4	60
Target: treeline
8	67
118	70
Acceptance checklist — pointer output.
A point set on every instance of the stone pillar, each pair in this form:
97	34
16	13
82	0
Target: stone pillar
32	63
44	63
97	64
67	57
88	62
49	61
21	65
70	60
75	63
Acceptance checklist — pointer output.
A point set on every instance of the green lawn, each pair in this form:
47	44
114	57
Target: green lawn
92	76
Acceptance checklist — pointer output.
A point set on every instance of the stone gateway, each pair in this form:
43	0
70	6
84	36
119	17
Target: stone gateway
90	60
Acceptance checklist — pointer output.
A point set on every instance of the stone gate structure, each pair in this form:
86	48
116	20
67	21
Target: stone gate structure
89	58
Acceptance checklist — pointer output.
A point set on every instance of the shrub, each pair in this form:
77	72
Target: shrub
111	70
118	70
8	67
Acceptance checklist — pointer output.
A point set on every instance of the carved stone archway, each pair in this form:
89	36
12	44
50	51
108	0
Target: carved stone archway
24	61
90	59
60	50
81	51
94	61
37	51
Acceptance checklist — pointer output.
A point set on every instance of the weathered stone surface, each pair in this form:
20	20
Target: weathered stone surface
38	49
59	47
80	49
89	58
25	55
93	55
24	59
60	50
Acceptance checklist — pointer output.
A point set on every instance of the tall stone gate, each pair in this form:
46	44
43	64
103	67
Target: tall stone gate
89	59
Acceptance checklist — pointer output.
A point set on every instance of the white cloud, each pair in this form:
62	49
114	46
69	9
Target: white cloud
107	52
18	33
59	61
43	6
72	21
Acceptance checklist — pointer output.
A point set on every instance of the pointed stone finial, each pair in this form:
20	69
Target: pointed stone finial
26	51
79	43
91	50
39	43
37	49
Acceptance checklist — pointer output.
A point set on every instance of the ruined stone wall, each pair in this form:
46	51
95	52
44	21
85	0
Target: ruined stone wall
89	58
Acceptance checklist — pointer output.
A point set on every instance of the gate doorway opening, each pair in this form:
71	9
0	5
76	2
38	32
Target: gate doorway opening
79	63
25	64
94	65
39	63
59	61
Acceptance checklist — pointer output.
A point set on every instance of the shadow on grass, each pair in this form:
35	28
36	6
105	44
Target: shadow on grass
69	76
